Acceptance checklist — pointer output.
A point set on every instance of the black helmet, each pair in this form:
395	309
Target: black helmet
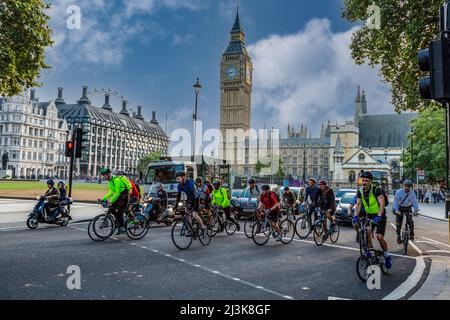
286	188
105	171
322	182
367	175
181	174
50	182
251	181
199	179
266	187
407	183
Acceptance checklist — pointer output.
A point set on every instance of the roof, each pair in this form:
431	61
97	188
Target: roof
235	47
237	27
307	141
89	113
385	131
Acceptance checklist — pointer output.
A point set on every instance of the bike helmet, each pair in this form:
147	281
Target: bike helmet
216	183
105	171
286	188
266	187
61	182
50	182
181	174
367	175
199	179
322	182
407	183
251	181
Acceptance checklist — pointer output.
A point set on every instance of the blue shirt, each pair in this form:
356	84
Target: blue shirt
189	189
312	193
405	200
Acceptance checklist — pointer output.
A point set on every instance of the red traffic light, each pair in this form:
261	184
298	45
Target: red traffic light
70	146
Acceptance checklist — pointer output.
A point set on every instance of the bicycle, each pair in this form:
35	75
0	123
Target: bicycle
368	256
219	224
184	232
333	232
137	224
263	228
248	225
303	225
406	230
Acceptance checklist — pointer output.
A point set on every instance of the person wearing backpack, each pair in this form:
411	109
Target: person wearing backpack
220	198
373	200
118	195
404	201
326	201
135	196
270	206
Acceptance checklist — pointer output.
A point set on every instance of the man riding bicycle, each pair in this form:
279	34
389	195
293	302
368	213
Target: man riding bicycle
118	195
204	195
289	199
326	202
193	201
372	199
312	191
405	199
220	198
254	190
271	207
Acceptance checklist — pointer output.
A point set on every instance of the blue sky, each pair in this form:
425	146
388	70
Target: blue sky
151	52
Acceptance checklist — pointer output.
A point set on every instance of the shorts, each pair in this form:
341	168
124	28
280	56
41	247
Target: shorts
381	227
193	205
273	215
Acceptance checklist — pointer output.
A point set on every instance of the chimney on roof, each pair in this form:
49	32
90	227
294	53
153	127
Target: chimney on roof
107	106
60	99
154	121
84	98
139	113
124	110
33	94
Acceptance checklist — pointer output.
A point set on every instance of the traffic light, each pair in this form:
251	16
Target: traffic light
436	61
69	148
81	142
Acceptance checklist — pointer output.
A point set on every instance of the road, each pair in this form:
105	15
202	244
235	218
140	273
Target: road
34	264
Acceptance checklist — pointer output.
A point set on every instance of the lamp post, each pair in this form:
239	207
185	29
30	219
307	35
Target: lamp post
197	88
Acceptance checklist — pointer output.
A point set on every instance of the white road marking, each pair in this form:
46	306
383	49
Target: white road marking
337	298
437	242
438	251
410	242
409	283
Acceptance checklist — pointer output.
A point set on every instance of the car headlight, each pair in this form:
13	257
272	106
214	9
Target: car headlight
180	204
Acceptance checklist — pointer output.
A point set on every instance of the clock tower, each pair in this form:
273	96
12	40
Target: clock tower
235	84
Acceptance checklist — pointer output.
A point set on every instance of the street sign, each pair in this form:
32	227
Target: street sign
421	175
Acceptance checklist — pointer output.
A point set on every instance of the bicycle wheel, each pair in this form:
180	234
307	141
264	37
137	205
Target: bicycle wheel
261	233
91	232
362	265
181	235
214	226
248	226
287	230
103	226
204	237
318	234
362	241
302	227
405	237
334	236
137	227
230	227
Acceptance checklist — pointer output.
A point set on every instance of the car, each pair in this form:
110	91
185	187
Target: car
245	207
341	193
234	201
342	208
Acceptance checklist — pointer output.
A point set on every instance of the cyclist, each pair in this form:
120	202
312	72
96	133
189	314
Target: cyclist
193	201
326	202
52	198
311	191
204	195
135	197
373	200
118	195
270	206
254	190
220	198
289	199
405	199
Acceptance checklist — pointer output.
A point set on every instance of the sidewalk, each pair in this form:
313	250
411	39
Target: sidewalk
437	284
435	211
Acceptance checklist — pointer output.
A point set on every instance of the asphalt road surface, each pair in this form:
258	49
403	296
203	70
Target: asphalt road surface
34	263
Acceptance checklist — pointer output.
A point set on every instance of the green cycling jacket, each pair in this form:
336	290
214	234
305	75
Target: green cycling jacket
117	185
220	197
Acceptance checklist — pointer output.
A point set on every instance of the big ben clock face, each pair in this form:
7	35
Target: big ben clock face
231	72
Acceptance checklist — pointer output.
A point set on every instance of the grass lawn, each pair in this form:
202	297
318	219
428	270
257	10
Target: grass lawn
29	189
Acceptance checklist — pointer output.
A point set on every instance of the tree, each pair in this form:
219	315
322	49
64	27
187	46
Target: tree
428	137
145	161
279	174
24	36
406	27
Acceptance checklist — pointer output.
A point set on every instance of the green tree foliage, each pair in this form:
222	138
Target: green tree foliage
279	174
145	161
406	27
24	36
428	146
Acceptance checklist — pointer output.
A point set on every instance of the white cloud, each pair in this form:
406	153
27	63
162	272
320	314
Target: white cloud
148	6
309	77
179	39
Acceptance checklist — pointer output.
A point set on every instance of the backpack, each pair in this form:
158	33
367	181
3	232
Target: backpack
134	190
210	187
276	195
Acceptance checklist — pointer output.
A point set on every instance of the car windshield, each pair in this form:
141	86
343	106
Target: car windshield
164	173
236	193
348	198
245	194
340	193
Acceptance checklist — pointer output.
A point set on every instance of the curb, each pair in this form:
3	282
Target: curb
31	198
434	218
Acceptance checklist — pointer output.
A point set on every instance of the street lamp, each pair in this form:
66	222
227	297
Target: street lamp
197	88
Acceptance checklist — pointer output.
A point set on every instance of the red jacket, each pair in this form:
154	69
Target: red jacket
269	199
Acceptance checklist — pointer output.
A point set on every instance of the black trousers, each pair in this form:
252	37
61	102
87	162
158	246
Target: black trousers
118	208
227	211
399	220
